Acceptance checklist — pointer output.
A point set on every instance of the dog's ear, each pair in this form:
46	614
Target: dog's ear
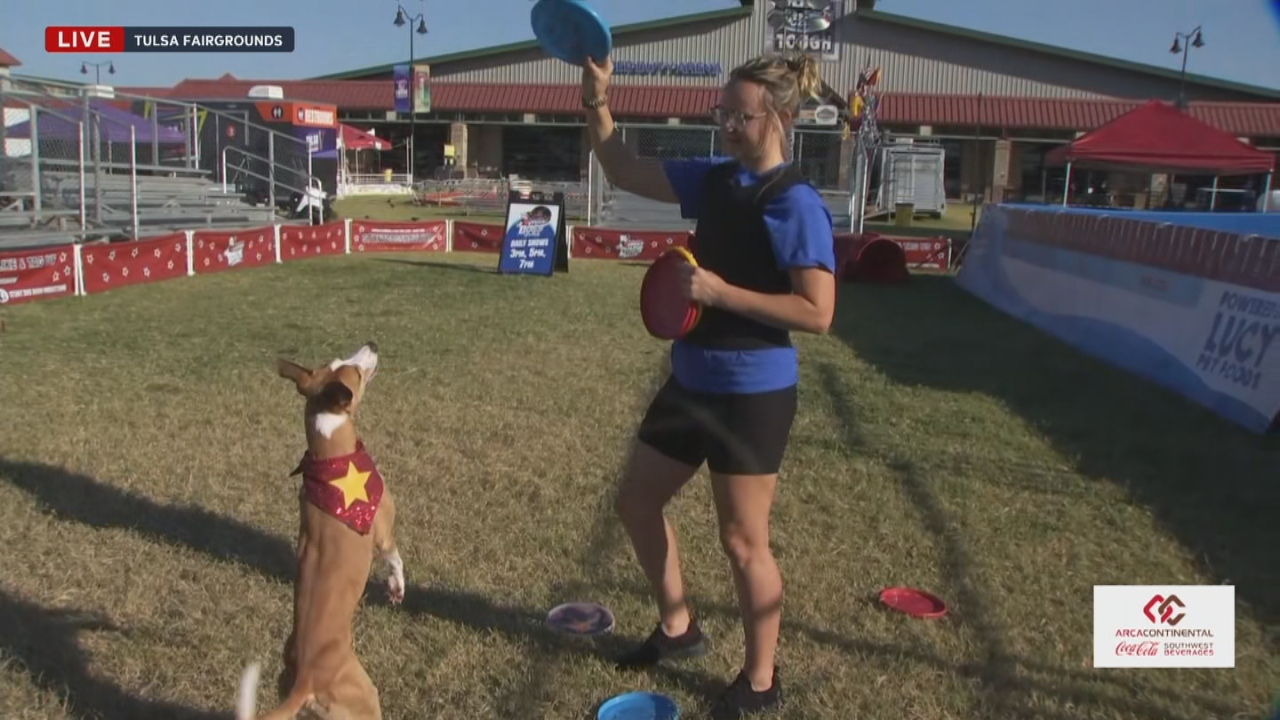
302	377
334	397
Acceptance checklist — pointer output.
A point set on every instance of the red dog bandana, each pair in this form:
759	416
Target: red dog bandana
348	487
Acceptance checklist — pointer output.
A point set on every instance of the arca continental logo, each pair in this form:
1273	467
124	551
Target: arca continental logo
1163	607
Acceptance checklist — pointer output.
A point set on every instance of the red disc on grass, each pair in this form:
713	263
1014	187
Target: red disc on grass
916	603
666	314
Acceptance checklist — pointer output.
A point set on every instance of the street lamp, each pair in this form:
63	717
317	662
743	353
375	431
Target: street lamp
402	19
97	69
1194	40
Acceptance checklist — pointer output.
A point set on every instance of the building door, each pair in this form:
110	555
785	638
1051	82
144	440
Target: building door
542	152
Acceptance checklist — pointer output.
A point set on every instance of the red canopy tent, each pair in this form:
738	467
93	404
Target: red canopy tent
357	139
1158	137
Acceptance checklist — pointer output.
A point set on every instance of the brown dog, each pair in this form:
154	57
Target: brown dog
347	513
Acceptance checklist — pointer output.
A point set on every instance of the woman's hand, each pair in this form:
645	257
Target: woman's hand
702	286
595	77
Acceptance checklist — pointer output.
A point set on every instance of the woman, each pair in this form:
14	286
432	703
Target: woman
765	267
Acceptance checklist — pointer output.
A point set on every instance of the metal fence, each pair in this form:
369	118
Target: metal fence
84	162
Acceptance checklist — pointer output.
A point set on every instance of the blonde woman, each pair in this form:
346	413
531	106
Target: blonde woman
765	269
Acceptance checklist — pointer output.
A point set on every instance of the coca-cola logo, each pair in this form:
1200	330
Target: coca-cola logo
1143	649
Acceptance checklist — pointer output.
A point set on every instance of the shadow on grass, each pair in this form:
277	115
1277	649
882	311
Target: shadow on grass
1003	688
461	267
79	498
47	643
1207	482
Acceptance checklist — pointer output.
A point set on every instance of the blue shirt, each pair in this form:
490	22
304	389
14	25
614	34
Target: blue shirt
799	226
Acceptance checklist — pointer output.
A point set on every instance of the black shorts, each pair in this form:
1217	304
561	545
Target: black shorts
736	434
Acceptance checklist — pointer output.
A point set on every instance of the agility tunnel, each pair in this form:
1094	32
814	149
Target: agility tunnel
1190	301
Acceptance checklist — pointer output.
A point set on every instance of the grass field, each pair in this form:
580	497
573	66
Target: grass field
147	515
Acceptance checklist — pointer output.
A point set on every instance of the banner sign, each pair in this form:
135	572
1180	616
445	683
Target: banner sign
534	241
1194	310
368	236
112	265
300	241
926	253
682	69
35	274
422	88
403	94
803	26
215	250
603	243
476	237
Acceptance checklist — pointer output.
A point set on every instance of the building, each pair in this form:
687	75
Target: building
996	104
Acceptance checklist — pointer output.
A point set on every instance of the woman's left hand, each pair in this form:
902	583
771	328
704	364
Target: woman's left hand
703	286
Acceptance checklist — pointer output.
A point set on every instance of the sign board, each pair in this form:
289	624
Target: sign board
827	115
422	88
400	76
803	26
534	241
681	69
1192	309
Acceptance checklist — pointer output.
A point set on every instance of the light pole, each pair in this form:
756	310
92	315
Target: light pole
402	19
97	69
1194	39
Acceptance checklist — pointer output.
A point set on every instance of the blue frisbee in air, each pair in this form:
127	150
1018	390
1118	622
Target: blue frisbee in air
571	31
639	706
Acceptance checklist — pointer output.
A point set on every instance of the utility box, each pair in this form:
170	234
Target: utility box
911	174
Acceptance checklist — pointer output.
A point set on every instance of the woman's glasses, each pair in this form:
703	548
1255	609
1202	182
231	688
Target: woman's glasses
733	119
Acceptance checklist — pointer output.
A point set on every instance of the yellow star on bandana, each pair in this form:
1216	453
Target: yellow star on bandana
352	485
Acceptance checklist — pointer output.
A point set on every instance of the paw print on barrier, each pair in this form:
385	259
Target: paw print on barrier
134	253
124	272
106	278
170	264
156	252
57	276
111	255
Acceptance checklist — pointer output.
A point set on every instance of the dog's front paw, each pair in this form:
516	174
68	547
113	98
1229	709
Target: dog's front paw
395	581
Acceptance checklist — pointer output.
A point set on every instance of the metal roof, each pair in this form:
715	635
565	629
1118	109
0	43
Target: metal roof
7	60
1077	55
1242	119
732	13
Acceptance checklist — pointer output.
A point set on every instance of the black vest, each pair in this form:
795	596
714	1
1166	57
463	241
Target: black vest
733	242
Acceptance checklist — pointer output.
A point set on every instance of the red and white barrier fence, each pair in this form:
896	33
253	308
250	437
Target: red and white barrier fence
371	236
215	250
27	275
94	268
476	237
611	244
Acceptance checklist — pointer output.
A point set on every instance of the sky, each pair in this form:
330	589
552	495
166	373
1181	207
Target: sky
1242	37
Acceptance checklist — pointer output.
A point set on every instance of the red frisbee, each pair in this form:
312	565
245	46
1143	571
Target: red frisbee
914	602
666	314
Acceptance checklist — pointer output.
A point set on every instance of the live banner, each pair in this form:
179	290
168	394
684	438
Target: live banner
377	236
36	274
108	266
1194	310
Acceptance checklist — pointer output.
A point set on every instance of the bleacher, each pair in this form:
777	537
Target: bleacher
43	200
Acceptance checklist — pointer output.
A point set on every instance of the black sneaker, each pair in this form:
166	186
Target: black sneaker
739	699
660	646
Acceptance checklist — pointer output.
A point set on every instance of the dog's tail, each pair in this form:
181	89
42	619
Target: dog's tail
247	698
